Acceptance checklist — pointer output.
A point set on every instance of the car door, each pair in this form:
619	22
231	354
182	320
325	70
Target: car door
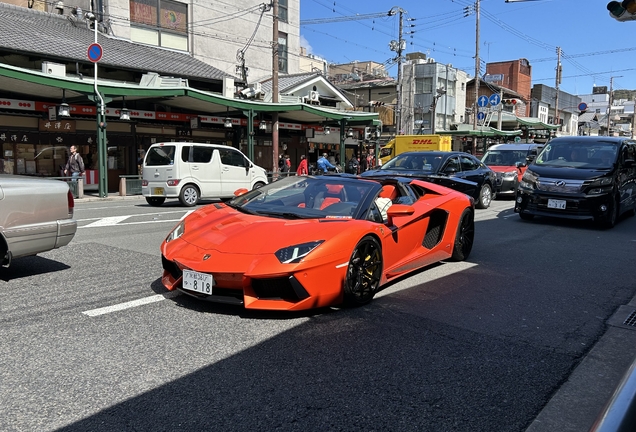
473	170
451	177
204	170
235	171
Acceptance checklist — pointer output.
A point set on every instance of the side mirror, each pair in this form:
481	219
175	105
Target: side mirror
398	210
628	163
520	164
530	159
240	192
450	170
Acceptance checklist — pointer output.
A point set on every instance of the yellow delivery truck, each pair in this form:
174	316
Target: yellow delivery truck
405	143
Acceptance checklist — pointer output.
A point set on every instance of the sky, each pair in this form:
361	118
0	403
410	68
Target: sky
595	47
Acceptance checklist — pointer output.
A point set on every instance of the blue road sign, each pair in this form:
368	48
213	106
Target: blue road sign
482	101
481	115
582	106
494	99
94	52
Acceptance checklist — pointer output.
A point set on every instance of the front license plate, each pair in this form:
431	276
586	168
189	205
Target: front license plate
157	191
556	204
199	282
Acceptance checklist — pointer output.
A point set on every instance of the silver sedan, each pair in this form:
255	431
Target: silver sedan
36	215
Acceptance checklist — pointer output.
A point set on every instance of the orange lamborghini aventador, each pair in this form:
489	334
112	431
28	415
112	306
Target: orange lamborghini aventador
307	242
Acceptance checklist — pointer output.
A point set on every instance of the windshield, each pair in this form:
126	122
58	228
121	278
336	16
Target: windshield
308	197
160	155
414	161
579	154
504	157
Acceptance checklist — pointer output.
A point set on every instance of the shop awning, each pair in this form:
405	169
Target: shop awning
486	131
534	123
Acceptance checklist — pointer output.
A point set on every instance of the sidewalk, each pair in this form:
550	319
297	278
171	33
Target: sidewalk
112	196
576	405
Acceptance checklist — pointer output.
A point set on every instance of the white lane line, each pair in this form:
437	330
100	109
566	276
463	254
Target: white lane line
131	223
130	304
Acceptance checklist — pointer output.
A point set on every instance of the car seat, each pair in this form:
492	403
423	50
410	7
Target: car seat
388	191
333	194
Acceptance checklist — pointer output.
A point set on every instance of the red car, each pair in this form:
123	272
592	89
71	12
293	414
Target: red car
509	162
314	241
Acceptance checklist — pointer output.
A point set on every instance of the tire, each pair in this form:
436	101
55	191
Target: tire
485	197
526	216
363	272
189	195
258	185
155	202
465	236
612	216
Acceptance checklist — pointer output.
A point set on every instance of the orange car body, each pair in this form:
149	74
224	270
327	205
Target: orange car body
238	250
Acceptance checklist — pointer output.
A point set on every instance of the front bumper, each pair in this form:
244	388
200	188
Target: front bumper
506	186
577	206
293	289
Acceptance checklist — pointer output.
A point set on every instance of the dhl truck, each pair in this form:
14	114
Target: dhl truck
405	143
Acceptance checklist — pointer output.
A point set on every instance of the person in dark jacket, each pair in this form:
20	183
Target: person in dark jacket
75	164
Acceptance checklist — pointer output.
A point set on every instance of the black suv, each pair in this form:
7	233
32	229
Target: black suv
581	178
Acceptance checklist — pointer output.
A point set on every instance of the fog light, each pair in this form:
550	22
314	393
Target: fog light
603	208
519	199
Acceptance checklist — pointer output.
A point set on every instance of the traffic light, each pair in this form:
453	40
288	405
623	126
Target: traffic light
510	102
622	11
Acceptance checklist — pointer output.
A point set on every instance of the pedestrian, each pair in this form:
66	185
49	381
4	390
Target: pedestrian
302	166
281	162
288	163
364	162
284	167
324	164
352	164
75	164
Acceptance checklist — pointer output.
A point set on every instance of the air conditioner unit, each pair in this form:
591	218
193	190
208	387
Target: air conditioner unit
56	69
314	96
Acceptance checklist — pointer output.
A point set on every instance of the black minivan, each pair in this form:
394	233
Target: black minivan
581	177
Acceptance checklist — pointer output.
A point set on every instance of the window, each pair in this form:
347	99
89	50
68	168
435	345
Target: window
282	52
202	154
159	22
423	85
469	164
158	156
282	10
452	165
185	153
232	157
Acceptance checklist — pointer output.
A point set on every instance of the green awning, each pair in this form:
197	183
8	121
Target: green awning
486	131
536	124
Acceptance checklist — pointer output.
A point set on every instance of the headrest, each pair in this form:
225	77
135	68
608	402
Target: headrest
334	189
388	191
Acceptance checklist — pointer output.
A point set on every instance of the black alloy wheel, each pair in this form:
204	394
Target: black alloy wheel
465	236
363	273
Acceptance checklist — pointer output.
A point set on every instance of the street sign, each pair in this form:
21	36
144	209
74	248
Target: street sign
517	139
481	115
94	52
482	101
582	106
494	99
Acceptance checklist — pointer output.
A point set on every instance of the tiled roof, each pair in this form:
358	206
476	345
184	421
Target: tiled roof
67	38
286	82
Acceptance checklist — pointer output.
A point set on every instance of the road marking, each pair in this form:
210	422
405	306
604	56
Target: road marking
130	304
107	221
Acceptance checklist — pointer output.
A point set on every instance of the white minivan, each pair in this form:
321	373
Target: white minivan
191	171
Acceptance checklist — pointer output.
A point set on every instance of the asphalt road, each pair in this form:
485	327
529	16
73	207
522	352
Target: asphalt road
90	339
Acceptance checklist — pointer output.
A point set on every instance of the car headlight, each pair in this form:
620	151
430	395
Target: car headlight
529	180
603	181
293	254
176	232
510	175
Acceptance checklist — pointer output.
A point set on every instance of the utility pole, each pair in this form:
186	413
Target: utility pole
275	87
477	73
558	82
611	100
400	47
500	110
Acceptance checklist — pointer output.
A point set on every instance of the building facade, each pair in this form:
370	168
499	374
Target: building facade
515	75
433	97
544	107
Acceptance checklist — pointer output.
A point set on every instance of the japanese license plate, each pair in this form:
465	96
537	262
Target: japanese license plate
556	204
157	191
199	282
